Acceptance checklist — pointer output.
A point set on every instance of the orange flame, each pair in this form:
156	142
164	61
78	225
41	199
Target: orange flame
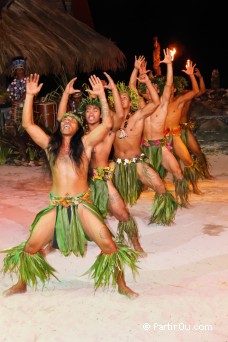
173	51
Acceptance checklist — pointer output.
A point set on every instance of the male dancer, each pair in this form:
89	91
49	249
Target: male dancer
71	215
131	166
104	194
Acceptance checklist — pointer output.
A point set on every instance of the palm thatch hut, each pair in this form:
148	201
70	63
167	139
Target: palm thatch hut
51	40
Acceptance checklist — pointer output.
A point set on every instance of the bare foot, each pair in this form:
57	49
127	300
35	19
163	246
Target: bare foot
196	190
126	291
185	204
20	287
210	177
138	248
142	254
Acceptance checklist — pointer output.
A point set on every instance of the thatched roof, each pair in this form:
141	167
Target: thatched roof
51	39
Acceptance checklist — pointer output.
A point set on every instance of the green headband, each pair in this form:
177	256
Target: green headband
88	101
73	116
123	88
180	83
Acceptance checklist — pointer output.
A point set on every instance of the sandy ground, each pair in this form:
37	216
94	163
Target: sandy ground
183	281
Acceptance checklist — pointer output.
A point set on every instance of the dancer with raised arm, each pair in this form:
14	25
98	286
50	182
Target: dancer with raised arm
71	216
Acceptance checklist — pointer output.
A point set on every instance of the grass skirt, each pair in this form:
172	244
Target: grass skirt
100	195
125	179
154	156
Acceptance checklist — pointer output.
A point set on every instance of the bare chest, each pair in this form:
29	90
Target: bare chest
130	127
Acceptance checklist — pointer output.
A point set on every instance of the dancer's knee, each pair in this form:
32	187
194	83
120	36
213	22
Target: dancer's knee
160	188
124	217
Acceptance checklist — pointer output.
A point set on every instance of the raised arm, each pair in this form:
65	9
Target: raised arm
36	133
118	115
143	78
139	69
69	90
135	72
195	88
169	76
99	133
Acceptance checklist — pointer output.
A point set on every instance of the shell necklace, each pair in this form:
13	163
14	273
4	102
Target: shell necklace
123	133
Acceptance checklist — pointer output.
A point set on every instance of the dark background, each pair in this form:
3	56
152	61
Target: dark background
197	30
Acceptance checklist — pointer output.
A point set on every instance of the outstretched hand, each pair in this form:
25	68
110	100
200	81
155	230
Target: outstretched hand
32	86
189	68
138	62
143	69
167	56
70	87
111	84
97	86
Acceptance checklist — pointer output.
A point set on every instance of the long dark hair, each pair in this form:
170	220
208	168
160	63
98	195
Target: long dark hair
76	146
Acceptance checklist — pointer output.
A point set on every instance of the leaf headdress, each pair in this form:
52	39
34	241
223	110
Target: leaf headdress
88	101
123	88
73	116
